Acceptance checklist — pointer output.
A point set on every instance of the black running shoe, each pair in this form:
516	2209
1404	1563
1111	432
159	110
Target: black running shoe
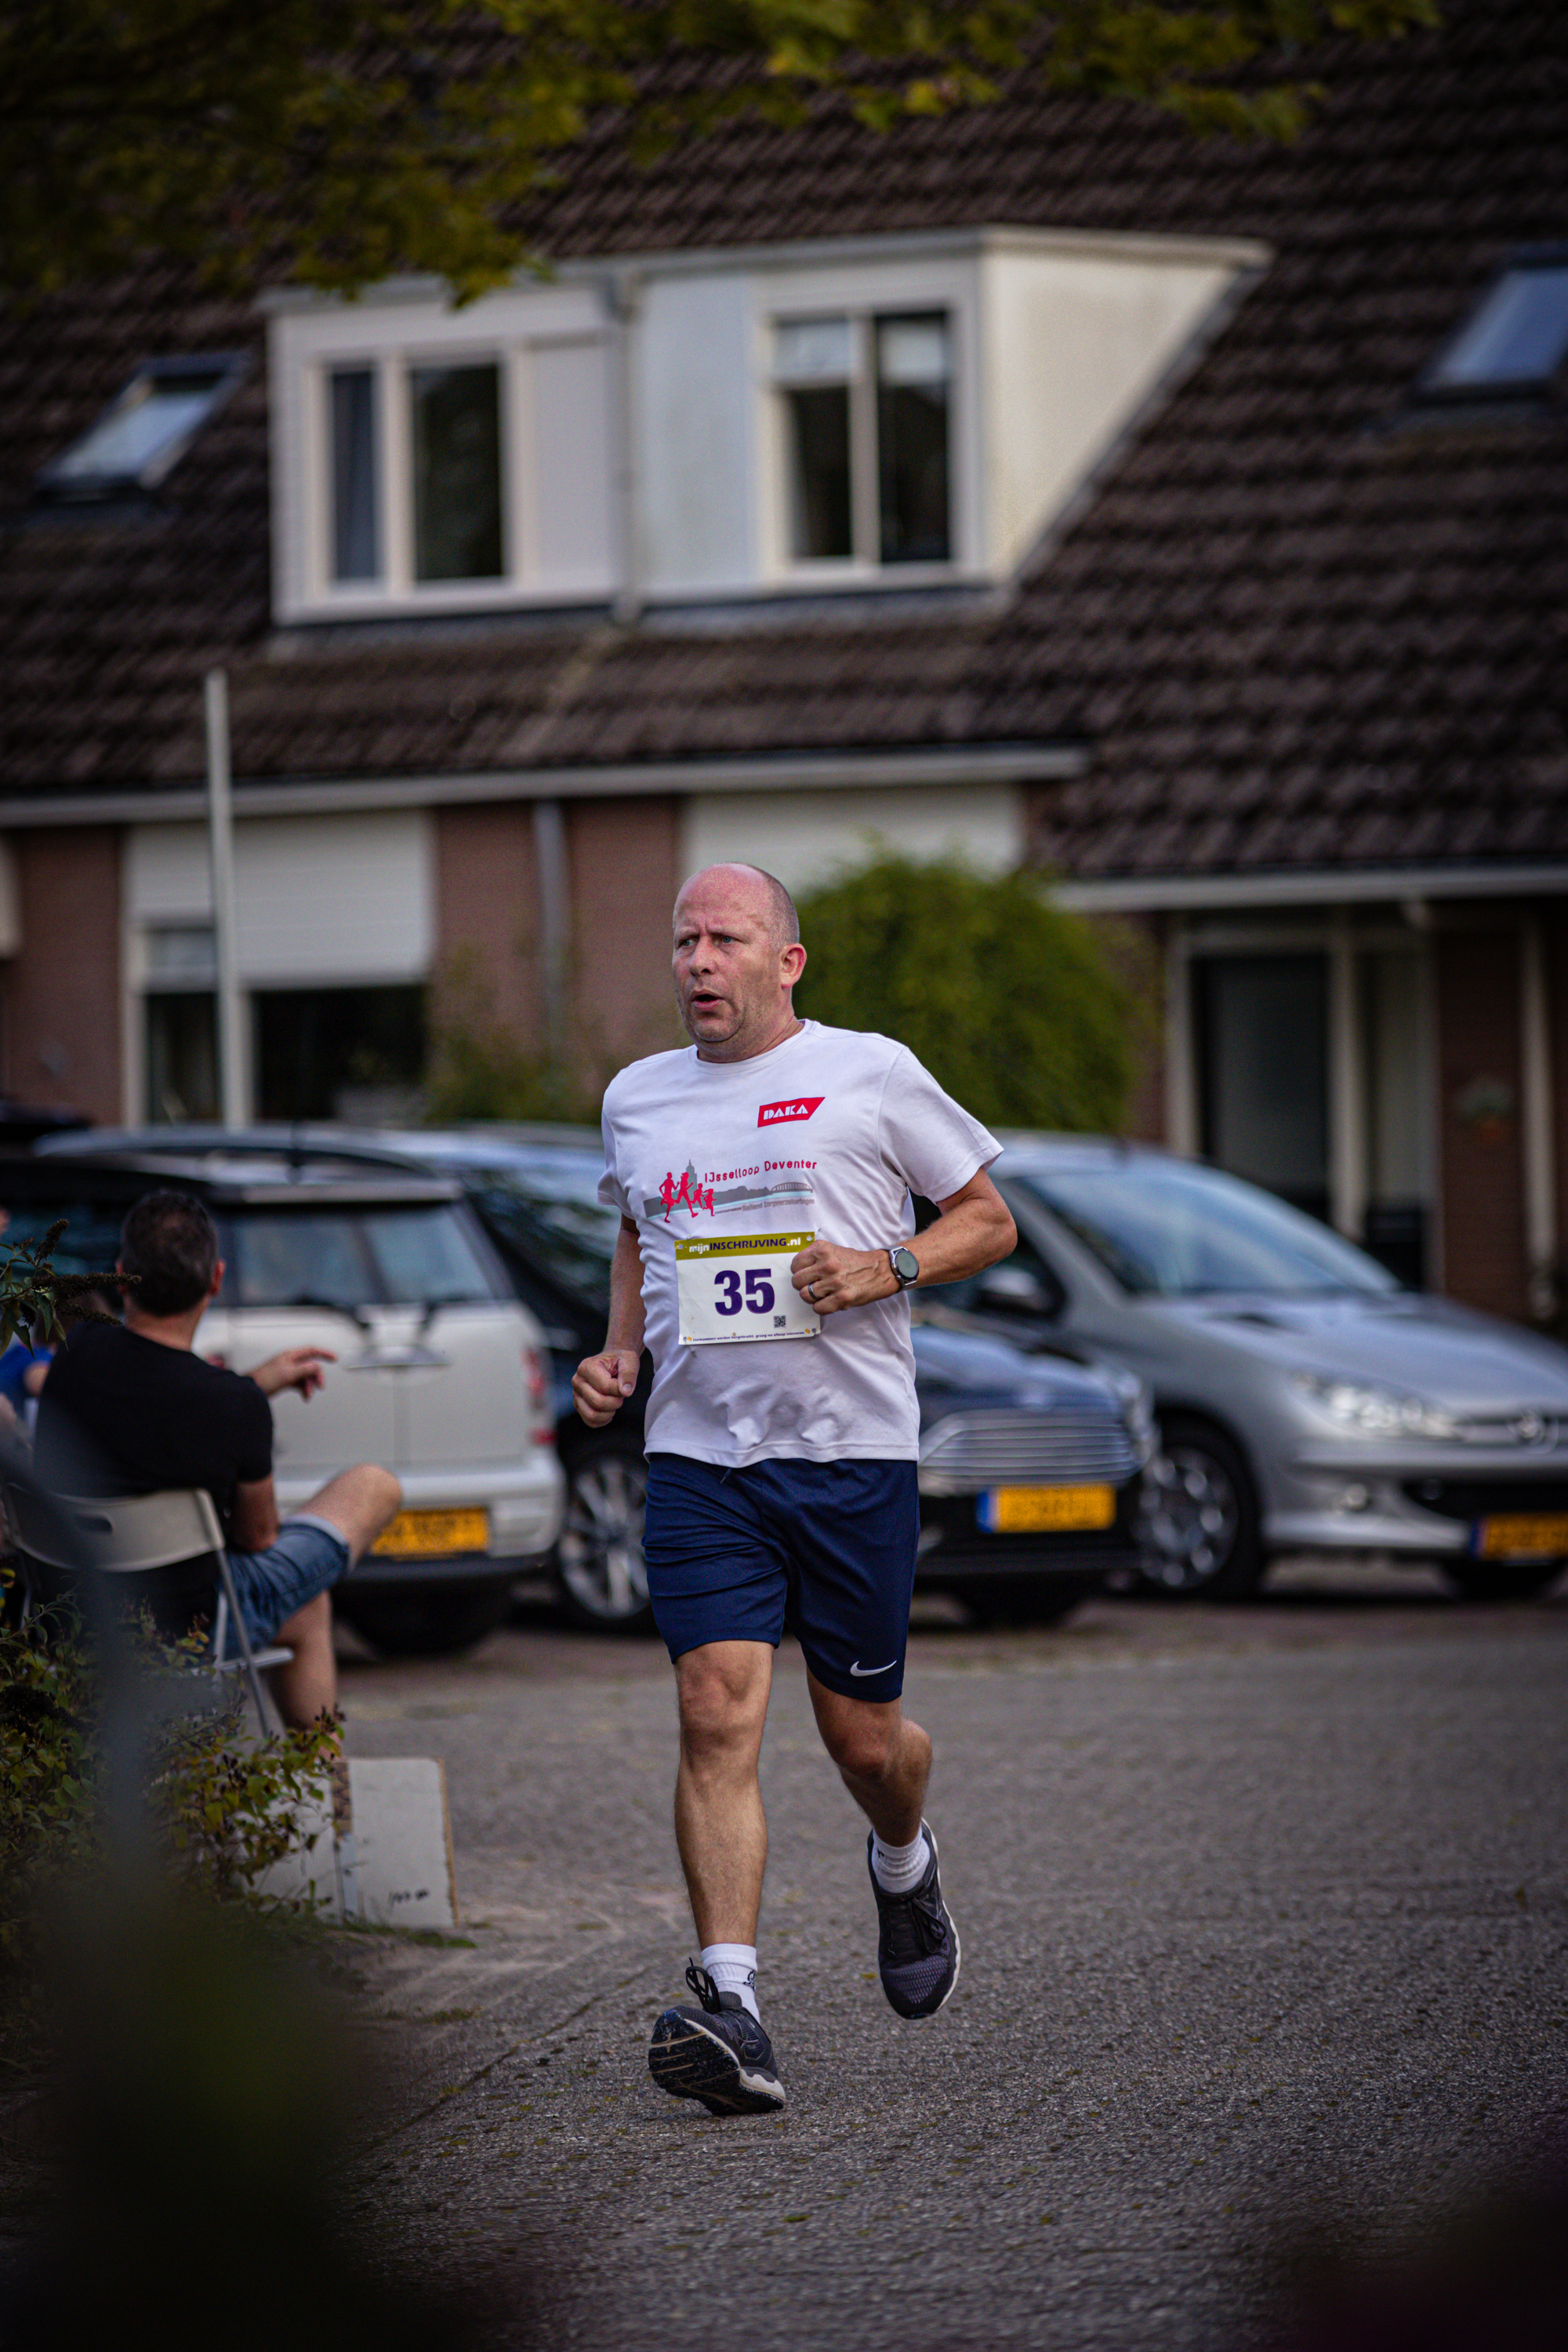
917	1943
718	2053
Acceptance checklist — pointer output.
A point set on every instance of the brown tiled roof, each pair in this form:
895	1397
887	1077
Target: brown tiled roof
1292	626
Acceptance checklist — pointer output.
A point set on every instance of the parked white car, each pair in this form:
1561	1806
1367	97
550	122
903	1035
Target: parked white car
441	1373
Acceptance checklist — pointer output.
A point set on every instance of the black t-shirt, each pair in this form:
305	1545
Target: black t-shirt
124	1415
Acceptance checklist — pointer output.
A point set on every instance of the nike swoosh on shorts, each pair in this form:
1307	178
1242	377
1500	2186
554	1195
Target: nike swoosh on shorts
858	1669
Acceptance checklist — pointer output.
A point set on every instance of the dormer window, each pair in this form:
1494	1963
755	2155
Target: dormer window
430	460
453	494
454	435
865	416
1515	342
866	408
146	430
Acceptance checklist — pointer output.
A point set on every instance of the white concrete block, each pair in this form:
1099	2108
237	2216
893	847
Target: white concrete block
403	1843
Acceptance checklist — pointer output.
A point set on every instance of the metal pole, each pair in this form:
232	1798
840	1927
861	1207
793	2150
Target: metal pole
1537	1111
220	843
554	882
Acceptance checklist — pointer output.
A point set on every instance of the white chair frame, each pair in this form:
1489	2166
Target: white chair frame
131	1534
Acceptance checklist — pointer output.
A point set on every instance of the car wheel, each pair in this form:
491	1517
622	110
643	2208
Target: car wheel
599	1559
434	1622
1197	1516
1502	1580
1023	1599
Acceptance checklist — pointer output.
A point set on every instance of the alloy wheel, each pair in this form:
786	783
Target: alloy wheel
1190	1515
601	1555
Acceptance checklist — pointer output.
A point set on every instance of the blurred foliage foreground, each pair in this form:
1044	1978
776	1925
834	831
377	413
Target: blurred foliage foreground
214	1810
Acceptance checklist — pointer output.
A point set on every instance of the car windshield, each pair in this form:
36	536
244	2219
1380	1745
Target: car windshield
548	1206
1167	1230
352	1258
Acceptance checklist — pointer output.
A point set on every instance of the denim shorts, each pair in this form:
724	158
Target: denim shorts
310	1557
827	1548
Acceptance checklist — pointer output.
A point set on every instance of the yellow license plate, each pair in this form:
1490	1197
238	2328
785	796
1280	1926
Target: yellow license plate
1523	1535
424	1535
1047	1510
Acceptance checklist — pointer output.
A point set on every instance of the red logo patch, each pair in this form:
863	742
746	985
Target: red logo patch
797	1107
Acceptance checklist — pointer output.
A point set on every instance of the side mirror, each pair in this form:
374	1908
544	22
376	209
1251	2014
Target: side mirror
1013	1290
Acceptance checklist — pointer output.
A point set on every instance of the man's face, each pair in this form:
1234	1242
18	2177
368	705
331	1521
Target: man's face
732	981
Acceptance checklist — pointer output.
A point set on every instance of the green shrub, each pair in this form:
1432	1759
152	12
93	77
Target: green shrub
1020	1010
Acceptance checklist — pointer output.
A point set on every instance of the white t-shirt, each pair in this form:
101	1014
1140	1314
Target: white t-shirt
828	1134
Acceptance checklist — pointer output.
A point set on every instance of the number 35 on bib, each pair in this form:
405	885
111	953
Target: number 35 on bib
739	1287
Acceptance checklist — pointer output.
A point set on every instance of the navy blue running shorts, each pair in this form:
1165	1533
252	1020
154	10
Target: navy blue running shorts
824	1548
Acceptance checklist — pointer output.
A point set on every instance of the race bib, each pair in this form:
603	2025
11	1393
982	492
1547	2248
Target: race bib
738	1288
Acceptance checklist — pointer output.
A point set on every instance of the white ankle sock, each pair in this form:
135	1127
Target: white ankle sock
734	1968
900	1868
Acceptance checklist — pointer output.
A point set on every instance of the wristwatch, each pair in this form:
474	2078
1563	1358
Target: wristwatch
906	1265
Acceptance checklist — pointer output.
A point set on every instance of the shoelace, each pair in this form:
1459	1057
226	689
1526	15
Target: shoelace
703	1985
924	1914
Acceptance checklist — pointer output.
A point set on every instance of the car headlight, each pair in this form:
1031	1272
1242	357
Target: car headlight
1374	1411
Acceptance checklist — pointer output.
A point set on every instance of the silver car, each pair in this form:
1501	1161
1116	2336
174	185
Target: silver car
1306	1402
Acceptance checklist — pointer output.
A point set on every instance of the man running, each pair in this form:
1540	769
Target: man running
764	1177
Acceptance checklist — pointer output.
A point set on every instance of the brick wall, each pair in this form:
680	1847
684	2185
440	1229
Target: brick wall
62	992
1480	1155
625	862
487	913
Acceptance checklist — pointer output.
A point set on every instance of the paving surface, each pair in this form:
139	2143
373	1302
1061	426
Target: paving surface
1264	1916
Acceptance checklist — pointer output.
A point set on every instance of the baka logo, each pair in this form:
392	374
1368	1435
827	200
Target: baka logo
688	1194
801	1106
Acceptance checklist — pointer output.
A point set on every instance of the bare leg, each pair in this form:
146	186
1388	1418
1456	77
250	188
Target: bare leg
307	1685
883	1758
719	1825
360	1502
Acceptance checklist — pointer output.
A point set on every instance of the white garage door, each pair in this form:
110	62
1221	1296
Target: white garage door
318	900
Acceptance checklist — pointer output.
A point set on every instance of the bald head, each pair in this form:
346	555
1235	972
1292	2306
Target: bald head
762	889
737	959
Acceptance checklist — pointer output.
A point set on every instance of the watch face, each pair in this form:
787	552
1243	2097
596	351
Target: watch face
906	1264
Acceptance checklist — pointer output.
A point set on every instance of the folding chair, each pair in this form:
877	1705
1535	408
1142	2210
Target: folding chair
137	1535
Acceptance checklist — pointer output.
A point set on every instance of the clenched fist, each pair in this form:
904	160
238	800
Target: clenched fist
601	1384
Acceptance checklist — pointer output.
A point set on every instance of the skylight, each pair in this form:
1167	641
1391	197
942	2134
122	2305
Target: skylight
1517	339
146	428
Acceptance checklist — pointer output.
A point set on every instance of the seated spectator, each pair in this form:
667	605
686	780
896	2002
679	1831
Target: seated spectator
133	1410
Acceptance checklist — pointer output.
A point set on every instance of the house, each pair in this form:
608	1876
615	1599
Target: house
1186	519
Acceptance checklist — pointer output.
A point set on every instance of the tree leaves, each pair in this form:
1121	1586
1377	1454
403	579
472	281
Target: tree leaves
339	141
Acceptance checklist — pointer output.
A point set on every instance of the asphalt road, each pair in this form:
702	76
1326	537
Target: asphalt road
1264	1913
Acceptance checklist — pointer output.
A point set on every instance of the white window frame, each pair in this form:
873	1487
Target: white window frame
313	341
862	296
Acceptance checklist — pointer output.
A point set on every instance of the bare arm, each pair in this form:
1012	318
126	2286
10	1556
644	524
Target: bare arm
253	1522
296	1367
602	1383
974	1229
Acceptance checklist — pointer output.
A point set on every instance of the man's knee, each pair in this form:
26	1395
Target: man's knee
380	1490
862	1740
722	1702
361	1502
